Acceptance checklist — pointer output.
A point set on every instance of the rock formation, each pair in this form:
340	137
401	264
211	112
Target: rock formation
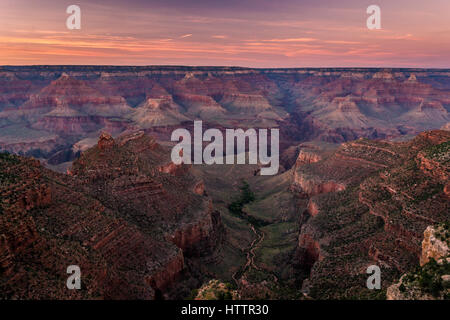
131	227
435	244
46	109
431	280
393	192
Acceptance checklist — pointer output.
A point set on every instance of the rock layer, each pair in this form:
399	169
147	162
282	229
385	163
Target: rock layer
129	226
393	191
335	105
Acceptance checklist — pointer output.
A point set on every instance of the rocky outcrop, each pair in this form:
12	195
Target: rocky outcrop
431	167
399	291
199	187
431	281
307	157
435	244
446	126
171	168
312	208
105	141
201	237
157	112
313	185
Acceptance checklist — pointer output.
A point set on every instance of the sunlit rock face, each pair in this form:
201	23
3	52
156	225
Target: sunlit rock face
434	265
433	246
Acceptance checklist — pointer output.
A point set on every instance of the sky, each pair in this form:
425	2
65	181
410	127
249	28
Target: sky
247	33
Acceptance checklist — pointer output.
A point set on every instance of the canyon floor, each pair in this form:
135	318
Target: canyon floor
261	239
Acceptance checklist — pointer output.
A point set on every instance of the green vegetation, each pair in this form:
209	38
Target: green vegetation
214	290
428	278
274	200
224	295
236	207
247	196
440	152
443	232
192	295
7	159
280	240
258	276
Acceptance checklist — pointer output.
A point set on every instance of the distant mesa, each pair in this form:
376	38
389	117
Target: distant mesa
412	78
384	75
327	104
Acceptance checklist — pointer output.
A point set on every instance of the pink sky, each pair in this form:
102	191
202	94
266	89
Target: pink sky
284	33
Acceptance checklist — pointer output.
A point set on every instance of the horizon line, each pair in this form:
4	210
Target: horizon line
218	66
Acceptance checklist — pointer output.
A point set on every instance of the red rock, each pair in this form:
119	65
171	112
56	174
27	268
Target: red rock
398	189
105	141
129	226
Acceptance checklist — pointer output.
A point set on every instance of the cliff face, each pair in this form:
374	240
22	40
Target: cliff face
313	186
135	175
390	198
127	224
307	157
309	249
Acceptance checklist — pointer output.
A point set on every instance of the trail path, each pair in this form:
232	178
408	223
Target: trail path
251	255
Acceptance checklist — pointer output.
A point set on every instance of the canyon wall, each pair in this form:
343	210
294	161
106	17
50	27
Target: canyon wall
393	192
130	226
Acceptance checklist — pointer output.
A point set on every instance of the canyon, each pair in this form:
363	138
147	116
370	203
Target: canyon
46	111
86	178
